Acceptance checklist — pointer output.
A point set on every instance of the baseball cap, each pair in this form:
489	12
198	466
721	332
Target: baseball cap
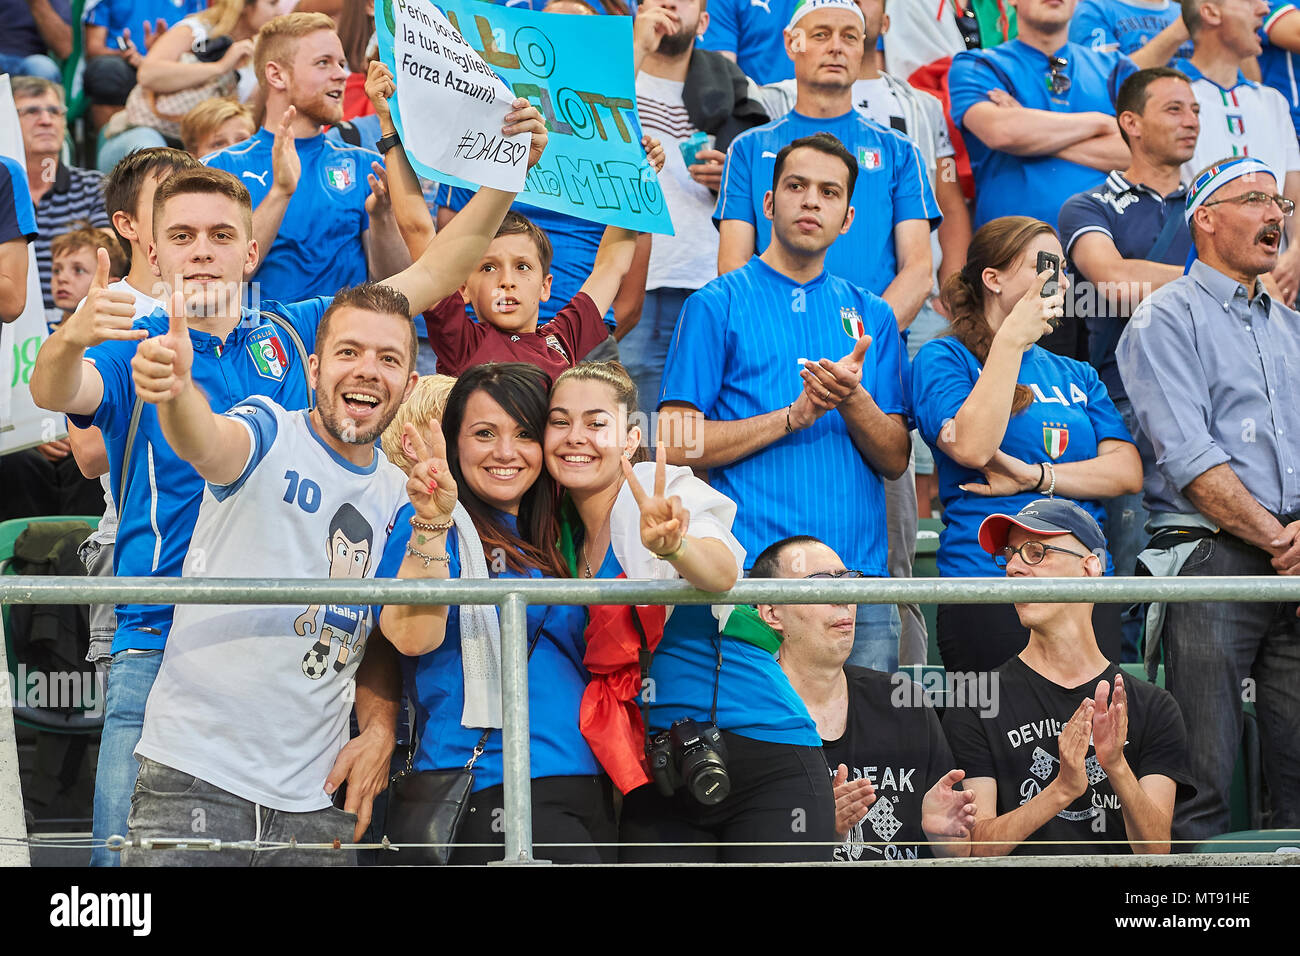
805	7
1046	517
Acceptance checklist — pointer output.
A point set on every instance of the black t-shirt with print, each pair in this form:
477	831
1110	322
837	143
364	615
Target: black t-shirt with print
1017	747
896	741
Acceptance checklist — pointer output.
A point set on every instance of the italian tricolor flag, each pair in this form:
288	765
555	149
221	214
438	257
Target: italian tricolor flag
1055	440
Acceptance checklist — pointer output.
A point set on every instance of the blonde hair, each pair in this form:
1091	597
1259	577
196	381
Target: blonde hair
221	15
204	119
426	402
86	236
616	377
278	39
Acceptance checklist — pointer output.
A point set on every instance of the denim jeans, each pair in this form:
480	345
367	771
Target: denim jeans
34	65
130	678
875	637
1218	655
645	348
1126	534
169	804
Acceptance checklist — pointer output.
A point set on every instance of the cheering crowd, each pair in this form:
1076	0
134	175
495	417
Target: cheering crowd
1035	274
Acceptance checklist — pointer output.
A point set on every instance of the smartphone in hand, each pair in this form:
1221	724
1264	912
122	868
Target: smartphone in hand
1050	261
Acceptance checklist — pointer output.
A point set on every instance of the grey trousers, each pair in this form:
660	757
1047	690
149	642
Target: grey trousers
900	518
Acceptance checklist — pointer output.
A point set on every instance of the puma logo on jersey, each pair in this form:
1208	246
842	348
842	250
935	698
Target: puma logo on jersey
252	175
761	3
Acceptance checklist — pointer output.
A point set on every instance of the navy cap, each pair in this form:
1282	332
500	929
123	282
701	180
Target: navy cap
1046	517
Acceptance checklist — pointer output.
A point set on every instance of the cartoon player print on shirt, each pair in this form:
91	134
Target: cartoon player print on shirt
350	543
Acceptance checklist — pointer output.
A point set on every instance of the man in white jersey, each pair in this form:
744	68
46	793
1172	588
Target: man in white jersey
239	723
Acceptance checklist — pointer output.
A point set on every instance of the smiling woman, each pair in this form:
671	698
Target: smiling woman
492	513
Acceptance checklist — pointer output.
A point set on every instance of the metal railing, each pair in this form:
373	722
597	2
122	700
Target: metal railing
513	596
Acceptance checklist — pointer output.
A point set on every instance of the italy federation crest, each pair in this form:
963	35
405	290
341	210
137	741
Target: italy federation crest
1056	438
268	353
868	158
341	175
852	322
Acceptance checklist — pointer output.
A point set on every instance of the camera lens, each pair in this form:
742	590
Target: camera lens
706	777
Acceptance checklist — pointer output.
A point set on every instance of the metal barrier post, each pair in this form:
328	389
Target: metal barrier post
516	772
12	821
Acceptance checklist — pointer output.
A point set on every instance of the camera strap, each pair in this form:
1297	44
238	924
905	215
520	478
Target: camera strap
644	658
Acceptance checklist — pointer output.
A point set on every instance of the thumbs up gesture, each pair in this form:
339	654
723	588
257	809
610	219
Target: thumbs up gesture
105	314
162	364
828	383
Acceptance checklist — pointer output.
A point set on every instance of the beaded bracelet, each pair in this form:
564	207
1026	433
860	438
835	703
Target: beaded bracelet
425	526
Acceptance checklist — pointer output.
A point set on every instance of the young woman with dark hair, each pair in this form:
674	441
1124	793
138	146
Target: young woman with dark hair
494	515
1009	423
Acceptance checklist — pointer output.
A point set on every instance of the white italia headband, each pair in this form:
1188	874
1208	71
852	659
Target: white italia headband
805	7
1220	174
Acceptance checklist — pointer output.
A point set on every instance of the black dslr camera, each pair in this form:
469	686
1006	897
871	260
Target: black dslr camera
693	754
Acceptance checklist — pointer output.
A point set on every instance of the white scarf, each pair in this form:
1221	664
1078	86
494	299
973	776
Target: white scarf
480	633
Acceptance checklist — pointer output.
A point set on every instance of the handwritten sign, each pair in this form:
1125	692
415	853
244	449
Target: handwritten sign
577	70
22	424
439	75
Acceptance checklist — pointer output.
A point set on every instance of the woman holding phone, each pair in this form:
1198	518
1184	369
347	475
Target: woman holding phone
1009	423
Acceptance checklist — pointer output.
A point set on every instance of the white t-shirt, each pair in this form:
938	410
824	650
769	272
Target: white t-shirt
242	699
876	101
1248	120
689	259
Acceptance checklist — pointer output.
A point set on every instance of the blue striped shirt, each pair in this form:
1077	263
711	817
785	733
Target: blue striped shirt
892	187
734	356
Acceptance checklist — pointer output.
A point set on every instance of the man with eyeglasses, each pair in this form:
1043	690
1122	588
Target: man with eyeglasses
896	793
1210	363
61	194
1073	758
1037	115
1240	117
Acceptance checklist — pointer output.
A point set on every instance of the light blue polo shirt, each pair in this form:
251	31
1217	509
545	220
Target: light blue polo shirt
318	249
1008	185
734	355
891	187
163	491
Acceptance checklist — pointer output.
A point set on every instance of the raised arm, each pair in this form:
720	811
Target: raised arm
62	380
416	629
414	222
217	446
286	168
455	251
973	436
1160	49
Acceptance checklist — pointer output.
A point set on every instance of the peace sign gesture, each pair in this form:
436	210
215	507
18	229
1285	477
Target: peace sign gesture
430	487
663	520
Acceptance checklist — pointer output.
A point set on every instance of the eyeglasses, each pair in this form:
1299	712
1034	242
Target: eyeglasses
846	573
1031	552
1057	81
53	111
1257	198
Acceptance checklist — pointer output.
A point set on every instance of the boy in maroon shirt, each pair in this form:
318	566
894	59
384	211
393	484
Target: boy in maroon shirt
508	286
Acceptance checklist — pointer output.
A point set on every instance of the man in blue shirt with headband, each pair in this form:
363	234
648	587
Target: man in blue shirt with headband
1208	361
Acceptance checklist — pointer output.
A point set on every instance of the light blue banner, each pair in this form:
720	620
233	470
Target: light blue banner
578	71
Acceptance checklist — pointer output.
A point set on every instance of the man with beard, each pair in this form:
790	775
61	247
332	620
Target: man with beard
239	724
201	243
1209	363
695	102
312	209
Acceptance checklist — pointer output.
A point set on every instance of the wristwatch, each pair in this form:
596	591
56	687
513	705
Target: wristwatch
387	142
